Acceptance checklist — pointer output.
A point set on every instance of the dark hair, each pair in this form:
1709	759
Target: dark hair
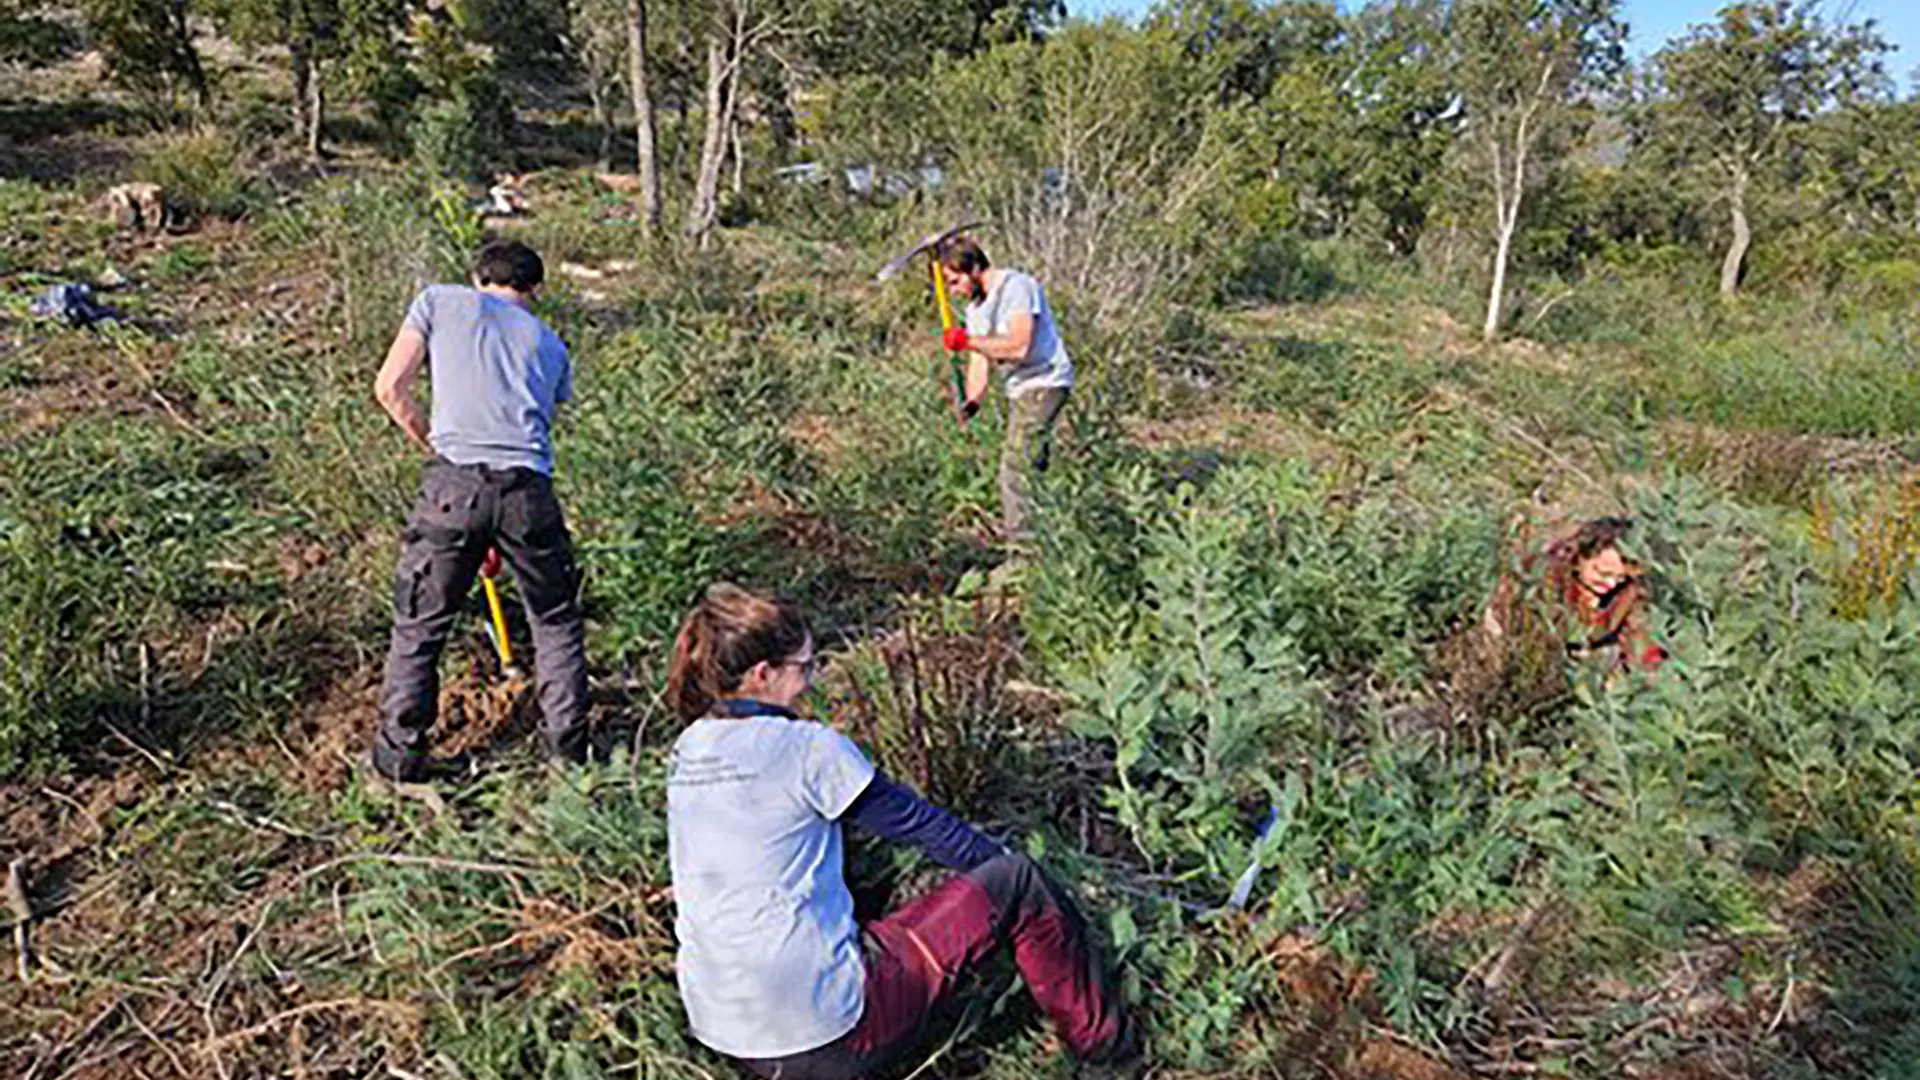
509	263
1590	539
962	254
730	631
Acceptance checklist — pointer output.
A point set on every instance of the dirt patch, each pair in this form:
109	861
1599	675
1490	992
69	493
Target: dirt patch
330	737
838	562
52	397
820	536
1337	1020
478	710
53	825
1381	1058
299	556
796	529
297	303
59	158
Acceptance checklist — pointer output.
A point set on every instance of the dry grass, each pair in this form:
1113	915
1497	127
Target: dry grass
1871	549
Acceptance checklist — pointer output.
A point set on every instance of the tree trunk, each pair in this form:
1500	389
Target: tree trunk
649	162
301	64
1496	296
739	155
1742	238
602	119
713	144
1506	203
316	114
1508	191
180	29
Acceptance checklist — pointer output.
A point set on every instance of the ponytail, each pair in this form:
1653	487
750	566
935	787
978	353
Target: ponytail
728	632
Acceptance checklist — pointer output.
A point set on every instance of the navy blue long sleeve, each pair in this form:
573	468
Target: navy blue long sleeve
893	812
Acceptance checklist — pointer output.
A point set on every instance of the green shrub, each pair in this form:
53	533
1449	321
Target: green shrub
202	173
447	141
37	683
467	136
29	38
258	118
1644	813
1885	284
106	545
1858	381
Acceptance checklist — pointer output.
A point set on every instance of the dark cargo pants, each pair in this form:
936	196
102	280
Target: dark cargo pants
916	956
464	510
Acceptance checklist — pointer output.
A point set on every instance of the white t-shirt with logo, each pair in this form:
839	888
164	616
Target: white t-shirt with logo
769	960
1047	365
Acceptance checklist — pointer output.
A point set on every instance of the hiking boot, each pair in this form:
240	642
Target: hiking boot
393	764
574	747
397	767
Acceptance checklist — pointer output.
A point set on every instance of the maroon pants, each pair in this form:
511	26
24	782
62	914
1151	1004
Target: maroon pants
916	955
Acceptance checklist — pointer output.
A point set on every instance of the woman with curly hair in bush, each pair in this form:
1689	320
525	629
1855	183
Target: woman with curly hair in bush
773	968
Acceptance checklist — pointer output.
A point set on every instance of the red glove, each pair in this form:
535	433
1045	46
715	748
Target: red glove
490	566
956	339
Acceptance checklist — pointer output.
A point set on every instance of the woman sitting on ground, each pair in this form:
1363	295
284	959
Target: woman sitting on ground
773	969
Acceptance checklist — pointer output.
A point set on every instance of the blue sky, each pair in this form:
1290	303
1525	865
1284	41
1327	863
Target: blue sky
1654	21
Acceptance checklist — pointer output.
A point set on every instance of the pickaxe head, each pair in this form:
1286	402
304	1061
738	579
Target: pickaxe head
930	242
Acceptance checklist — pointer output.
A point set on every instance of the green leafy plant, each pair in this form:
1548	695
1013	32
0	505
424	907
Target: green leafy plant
202	173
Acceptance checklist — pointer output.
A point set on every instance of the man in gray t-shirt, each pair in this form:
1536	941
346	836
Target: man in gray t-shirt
497	374
1010	325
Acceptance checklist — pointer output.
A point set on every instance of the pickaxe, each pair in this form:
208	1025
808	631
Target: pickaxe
931	244
497	627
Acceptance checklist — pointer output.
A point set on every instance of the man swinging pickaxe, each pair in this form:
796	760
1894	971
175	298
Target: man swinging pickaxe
930	246
1010	325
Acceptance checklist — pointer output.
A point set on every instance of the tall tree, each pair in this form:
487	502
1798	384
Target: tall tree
29	37
723	64
1867	167
1241	47
596	39
148	47
899	39
1735	99
380	59
310	31
1524	69
641	90
732	35
1403	101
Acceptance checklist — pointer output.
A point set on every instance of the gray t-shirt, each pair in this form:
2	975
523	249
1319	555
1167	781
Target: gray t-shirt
1046	365
769	961
497	373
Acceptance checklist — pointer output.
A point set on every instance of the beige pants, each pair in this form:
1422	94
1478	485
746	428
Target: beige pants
1030	418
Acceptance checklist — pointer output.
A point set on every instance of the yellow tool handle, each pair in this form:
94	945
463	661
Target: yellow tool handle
499	623
946	323
940	293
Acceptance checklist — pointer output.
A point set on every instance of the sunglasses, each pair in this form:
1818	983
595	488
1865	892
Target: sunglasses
807	665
